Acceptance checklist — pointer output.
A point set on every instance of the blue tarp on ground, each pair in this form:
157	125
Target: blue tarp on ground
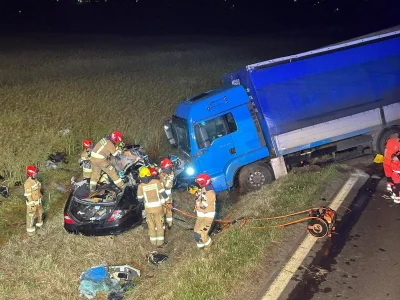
95	280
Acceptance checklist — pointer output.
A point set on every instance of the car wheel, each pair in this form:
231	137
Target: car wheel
254	176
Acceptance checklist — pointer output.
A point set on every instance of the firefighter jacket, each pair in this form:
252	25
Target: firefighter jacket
392	146
205	203
85	161
153	194
103	149
167	181
395	165
32	192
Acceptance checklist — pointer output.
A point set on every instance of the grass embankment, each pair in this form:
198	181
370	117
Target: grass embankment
51	264
92	88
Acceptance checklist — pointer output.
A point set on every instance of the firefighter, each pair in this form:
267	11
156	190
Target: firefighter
205	210
167	178
85	160
153	194
33	195
392	147
98	158
395	167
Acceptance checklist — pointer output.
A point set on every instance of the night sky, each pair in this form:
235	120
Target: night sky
195	16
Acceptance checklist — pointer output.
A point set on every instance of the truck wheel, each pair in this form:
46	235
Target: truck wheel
254	176
384	138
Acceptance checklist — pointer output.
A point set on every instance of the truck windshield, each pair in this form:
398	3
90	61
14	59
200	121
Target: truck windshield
181	134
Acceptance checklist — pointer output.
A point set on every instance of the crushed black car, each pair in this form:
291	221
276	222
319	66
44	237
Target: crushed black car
108	211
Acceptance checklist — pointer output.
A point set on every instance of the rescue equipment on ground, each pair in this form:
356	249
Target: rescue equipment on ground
156	258
192	189
58	157
379	159
4	191
109	279
322	223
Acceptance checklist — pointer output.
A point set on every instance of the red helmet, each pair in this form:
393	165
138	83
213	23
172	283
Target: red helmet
203	180
153	172
166	163
87	144
31	171
116	137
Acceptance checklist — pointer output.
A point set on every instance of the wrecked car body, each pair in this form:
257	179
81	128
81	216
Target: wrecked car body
108	210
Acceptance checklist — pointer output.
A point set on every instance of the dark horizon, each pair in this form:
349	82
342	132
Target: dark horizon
230	17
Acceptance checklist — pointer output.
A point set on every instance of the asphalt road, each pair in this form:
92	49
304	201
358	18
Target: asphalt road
362	261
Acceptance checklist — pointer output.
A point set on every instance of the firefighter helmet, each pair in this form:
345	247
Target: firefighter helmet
116	137
87	144
144	172
166	163
203	180
31	171
153	172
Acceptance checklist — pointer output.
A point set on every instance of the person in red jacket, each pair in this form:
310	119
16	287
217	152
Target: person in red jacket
395	166
392	147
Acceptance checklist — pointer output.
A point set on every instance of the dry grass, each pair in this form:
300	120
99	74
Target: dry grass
51	264
92	87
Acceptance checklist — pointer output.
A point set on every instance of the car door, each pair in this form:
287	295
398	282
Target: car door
215	143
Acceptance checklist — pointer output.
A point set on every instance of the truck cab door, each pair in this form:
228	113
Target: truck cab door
216	146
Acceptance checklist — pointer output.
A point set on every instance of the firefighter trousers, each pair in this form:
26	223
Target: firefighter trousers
33	218
99	165
168	212
201	229
155	222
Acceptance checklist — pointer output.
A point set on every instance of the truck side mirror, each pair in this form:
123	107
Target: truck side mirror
168	132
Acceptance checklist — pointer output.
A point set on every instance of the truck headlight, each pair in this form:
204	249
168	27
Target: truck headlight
190	171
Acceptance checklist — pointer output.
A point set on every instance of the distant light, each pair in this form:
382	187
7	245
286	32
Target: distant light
337	9
20	11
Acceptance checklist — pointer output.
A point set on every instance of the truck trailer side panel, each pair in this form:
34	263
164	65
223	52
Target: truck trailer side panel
300	94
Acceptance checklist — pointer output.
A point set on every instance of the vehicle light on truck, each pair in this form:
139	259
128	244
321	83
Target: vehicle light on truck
190	171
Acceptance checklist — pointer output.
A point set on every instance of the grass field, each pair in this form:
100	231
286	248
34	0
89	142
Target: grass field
92	86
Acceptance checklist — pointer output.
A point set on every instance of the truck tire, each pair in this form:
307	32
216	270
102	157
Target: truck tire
254	176
384	137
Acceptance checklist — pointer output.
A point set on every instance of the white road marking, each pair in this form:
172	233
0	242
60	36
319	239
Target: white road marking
283	278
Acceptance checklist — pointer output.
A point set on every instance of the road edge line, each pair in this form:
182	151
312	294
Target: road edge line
282	279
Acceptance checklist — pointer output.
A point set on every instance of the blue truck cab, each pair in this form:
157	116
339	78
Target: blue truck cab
270	115
218	131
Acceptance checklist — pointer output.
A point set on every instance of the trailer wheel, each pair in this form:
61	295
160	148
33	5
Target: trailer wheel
254	176
384	138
